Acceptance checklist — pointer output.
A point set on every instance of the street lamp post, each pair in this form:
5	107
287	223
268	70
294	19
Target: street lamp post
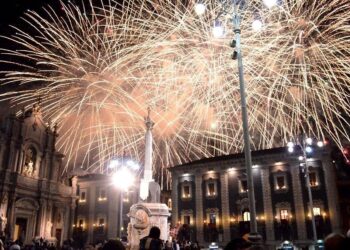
305	147
254	236
200	8
123	178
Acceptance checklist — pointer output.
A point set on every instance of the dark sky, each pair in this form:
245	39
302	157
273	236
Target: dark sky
12	10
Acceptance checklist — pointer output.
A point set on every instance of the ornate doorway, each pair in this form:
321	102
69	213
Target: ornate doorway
20	229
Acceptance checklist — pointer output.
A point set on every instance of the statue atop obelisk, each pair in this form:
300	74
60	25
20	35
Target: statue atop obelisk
147	184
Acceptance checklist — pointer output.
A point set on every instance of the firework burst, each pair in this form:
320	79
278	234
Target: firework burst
98	71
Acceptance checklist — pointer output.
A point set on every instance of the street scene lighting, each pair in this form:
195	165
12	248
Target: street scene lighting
123	179
199	8
270	3
257	25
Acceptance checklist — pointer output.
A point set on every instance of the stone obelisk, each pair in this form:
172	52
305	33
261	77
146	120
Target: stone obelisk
148	212
147	174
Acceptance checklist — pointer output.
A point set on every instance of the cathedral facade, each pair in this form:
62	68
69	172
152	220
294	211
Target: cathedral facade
210	197
36	201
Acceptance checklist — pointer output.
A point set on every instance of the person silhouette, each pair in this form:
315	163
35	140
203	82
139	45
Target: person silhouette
152	241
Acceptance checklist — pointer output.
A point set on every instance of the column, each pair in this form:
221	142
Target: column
91	220
174	199
70	220
39	231
332	194
268	209
225	206
11	214
298	203
20	160
113	213
2	149
199	207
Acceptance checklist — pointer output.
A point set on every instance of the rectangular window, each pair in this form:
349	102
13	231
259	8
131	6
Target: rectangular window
82	196
212	218
187	219
103	193
280	182
313	179
211	189
317	211
284	214
101	222
186	191
246	216
244	186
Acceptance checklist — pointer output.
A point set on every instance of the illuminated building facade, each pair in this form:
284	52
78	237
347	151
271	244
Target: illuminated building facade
36	200
210	195
98	209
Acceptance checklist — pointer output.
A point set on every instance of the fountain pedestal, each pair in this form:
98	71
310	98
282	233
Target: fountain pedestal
143	216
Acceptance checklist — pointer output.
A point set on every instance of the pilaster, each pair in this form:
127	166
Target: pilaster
199	207
113	215
225	206
92	205
174	199
298	203
268	209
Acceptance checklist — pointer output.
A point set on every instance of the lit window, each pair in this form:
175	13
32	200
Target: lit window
280	182
212	218
82	197
243	186
102	195
211	189
313	179
246	216
81	223
186	191
170	204
284	214
317	211
187	219
101	222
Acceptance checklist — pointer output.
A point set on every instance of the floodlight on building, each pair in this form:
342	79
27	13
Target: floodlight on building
308	149
308	141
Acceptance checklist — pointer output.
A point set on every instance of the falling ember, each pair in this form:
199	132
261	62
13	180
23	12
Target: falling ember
98	72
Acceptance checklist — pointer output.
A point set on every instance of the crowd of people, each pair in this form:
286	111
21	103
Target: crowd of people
334	241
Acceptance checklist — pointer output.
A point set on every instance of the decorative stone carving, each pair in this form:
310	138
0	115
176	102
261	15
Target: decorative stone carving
30	157
28	169
3	222
48	230
142	217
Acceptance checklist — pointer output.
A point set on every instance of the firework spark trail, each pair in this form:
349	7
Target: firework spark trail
98	73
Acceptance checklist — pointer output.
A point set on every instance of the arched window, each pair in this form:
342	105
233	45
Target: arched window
246	215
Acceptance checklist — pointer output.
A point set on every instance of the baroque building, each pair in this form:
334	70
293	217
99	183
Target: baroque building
98	213
210	197
36	201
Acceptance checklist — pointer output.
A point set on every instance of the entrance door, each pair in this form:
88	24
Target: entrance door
20	229
58	235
